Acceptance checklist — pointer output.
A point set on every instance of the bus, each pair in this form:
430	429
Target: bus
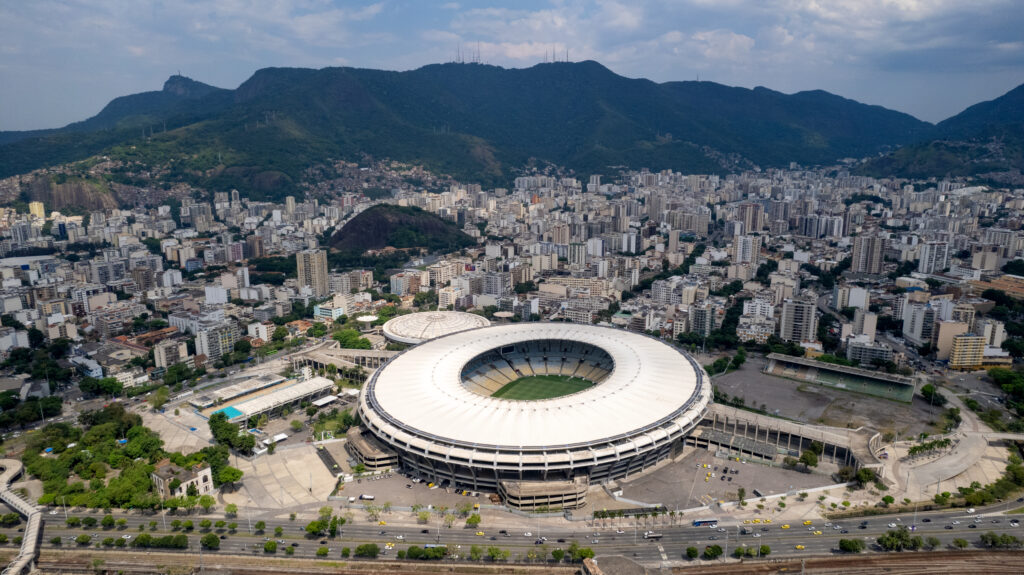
652	535
705	523
365	497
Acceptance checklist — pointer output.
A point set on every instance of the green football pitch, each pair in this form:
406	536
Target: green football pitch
542	387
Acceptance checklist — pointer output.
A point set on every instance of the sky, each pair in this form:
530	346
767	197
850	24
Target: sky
62	61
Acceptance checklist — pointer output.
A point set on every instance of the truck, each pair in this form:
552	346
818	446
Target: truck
652	535
366	497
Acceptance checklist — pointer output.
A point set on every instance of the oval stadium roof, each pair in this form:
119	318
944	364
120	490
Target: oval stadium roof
416	328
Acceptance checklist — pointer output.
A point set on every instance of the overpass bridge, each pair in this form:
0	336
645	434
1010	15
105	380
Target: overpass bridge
24	562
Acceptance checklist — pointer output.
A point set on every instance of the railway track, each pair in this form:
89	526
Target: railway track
87	562
906	563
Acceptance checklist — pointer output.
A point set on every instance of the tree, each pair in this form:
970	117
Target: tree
931	393
205	524
278	531
322	552
230	510
692	553
89	522
960	543
369	550
473	520
260	525
764	550
279	334
83	539
206	502
210	541
159	397
476	553
851	545
741	493
220	523
933	542
316	527
296	425
899	539
35	338
229	475
712	552
270	546
809	458
243	347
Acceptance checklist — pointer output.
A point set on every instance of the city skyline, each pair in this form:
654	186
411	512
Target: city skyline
64	61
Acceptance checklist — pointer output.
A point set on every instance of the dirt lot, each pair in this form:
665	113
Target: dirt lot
810	403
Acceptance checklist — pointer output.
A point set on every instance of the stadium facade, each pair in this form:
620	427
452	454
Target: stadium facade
431	410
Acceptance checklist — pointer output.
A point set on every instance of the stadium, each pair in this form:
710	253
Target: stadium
536	412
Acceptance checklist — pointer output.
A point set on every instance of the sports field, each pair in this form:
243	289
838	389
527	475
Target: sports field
542	387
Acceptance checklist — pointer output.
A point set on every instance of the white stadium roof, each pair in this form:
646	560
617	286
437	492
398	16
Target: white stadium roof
421	391
416	328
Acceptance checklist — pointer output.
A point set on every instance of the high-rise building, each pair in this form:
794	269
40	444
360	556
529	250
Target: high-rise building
944	334
752	216
577	254
217	340
918	323
934	257
968	352
311	267
673	241
746	250
799	321
702	318
36	210
169	352
865	323
254	246
994	331
867	255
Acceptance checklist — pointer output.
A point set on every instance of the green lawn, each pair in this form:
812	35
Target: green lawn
542	387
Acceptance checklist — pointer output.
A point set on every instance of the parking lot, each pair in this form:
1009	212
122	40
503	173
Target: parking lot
399	490
682	485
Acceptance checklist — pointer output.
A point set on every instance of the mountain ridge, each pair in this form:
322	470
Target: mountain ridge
472	121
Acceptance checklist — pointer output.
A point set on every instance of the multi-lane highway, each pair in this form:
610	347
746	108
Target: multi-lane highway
605	540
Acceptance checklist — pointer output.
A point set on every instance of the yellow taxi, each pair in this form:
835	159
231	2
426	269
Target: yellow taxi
757	521
817	532
746	522
799	548
479	533
786	526
382	523
767	520
808	522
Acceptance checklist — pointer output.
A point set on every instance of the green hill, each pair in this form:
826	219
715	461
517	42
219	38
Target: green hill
385	225
985	140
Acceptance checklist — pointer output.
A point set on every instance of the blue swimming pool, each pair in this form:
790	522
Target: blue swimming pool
229	411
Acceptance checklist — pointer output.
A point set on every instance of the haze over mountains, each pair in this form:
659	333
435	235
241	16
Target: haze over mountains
476	122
